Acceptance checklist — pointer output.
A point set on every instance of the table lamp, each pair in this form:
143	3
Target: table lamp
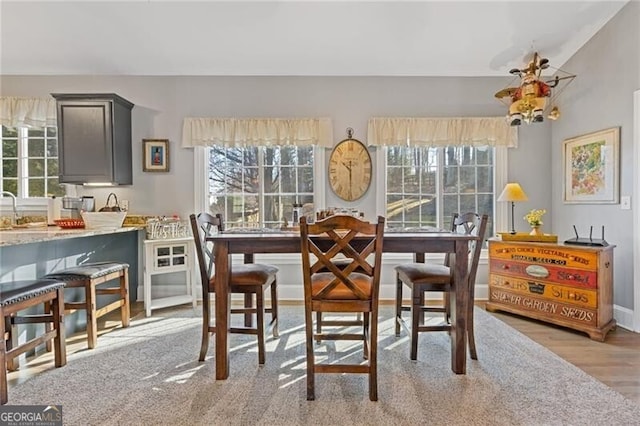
512	192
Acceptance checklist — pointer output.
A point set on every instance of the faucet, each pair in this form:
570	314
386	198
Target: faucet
14	202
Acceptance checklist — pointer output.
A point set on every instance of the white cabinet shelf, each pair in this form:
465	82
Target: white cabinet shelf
174	259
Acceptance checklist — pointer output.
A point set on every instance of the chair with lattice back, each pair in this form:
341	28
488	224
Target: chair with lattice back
421	278
345	287
248	279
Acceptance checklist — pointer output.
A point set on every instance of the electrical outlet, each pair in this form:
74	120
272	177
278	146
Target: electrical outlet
625	202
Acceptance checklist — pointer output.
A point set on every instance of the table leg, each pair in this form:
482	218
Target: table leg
223	264
459	298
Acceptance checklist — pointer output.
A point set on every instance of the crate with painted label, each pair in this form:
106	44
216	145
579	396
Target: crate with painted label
564	285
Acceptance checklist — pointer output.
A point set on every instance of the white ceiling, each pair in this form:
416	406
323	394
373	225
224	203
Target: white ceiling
381	38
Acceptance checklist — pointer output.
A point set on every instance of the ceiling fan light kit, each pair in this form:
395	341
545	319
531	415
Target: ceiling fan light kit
535	93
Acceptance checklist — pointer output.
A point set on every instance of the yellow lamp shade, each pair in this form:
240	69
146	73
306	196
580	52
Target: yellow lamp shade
513	192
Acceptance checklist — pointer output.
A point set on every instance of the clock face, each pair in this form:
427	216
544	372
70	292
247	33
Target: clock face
350	169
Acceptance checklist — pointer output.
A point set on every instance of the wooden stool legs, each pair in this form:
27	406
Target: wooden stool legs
20	296
93	312
92	321
91	289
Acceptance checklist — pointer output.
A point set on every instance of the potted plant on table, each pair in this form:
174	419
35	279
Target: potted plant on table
534	219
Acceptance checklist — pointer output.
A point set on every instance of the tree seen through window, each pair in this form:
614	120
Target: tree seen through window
30	162
426	185
257	186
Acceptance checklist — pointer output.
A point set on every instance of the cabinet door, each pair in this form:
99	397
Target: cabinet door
179	255
168	257
85	135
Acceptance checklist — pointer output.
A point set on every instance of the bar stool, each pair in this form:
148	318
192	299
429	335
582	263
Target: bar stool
89	276
17	296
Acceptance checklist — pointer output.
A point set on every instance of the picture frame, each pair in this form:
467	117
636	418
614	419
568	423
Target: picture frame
155	155
591	168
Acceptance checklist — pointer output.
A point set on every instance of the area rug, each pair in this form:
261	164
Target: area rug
148	374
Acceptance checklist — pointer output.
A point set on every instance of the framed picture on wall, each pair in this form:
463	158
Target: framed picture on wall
155	155
591	168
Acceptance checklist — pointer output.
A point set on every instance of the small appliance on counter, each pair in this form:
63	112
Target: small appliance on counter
73	205
54	207
88	203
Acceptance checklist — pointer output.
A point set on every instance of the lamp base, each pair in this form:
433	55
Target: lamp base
513	225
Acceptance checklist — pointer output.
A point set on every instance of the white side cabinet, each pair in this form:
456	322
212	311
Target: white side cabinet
175	259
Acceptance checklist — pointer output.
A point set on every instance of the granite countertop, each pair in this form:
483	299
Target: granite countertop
13	237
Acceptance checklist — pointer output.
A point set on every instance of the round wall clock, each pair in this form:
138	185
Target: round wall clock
350	169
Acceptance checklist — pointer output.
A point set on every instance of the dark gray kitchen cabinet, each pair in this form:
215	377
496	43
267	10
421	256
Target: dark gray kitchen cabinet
94	138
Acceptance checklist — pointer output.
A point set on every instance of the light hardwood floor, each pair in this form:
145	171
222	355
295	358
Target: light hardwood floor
615	362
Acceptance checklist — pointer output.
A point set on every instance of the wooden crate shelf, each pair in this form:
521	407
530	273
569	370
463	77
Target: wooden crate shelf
565	285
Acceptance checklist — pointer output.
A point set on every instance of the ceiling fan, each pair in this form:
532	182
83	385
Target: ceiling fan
535	94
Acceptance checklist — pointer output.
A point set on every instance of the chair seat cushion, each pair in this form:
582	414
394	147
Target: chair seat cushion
88	271
17	291
341	291
250	274
423	273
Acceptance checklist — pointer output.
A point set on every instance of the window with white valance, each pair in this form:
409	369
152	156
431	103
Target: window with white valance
238	132
420	131
433	167
27	112
29	147
253	170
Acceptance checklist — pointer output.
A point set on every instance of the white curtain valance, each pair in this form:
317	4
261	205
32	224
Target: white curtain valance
257	132
474	131
27	112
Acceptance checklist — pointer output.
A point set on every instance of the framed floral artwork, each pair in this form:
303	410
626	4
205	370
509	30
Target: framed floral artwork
155	155
591	168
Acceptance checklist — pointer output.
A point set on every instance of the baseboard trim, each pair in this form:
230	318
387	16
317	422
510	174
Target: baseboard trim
624	317
294	297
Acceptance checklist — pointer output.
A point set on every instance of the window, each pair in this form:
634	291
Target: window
426	185
30	162
257	186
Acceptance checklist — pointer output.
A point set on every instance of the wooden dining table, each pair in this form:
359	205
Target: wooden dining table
225	244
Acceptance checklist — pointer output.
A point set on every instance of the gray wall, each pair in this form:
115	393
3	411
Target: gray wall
601	96
163	102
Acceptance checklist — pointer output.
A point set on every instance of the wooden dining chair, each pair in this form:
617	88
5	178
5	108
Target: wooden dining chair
340	288
248	279
428	277
320	321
